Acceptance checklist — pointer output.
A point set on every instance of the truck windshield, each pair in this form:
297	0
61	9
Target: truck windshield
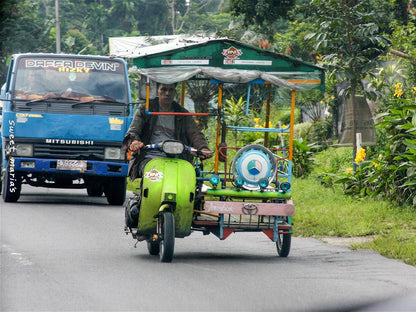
84	79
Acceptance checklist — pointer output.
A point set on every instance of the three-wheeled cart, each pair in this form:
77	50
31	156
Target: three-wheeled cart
248	188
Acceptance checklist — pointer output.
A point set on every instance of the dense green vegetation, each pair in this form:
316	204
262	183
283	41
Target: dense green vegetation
368	48
86	25
323	209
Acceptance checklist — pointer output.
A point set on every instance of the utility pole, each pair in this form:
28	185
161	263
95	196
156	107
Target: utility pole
58	28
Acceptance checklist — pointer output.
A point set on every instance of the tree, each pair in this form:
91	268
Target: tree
235	115
291	42
177	7
19	21
203	16
153	17
97	23
351	42
123	14
201	92
404	44
76	43
263	13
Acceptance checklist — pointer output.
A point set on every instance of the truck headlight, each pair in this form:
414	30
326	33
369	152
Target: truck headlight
114	153
25	150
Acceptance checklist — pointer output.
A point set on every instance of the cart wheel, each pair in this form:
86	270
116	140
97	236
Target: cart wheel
153	247
283	244
166	229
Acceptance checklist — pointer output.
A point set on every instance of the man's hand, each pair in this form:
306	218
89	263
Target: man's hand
206	153
135	146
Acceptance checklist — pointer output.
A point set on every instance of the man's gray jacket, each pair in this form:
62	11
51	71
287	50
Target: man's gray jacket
142	126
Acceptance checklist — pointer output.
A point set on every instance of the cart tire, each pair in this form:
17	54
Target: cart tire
283	244
153	248
167	242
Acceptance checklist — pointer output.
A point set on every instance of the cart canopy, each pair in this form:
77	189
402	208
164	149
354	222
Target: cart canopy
228	60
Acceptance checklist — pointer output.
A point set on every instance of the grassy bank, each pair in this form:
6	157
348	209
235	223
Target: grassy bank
323	211
327	212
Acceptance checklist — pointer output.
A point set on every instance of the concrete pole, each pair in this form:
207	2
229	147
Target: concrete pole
58	28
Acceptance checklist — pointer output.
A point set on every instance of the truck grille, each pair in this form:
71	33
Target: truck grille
100	109
43	150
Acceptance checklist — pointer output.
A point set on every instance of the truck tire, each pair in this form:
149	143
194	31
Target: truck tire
11	187
95	189
115	191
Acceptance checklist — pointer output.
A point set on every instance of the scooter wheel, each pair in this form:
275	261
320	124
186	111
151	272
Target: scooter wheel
153	248
167	242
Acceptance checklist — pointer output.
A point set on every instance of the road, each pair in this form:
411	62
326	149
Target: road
64	251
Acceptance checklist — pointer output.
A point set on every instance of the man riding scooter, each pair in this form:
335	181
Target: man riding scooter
152	129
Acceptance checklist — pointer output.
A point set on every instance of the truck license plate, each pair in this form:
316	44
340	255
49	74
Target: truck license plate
69	164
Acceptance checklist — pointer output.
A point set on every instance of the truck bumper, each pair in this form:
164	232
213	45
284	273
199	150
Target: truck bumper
94	168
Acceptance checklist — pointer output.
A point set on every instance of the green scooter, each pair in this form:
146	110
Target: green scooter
165	205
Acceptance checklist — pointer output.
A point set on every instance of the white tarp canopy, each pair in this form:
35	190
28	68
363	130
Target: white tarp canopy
181	73
132	47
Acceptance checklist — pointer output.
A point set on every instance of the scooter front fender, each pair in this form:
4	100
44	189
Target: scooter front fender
167	181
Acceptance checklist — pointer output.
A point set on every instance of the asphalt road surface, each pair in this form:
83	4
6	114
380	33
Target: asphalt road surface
64	251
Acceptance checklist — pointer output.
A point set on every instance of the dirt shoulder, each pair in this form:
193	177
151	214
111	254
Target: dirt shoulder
346	241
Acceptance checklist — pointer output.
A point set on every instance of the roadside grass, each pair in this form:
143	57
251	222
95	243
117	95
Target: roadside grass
326	211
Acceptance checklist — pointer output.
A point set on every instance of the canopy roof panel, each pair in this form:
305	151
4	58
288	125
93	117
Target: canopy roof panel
133	47
229	61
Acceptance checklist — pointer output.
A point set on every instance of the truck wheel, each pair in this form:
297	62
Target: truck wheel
11	187
95	189
115	190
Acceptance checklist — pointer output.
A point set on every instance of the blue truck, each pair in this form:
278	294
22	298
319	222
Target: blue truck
63	120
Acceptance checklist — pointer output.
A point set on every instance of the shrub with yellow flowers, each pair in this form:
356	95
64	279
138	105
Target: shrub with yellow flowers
360	155
398	90
390	171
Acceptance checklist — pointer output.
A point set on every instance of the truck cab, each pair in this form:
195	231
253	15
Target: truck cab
64	118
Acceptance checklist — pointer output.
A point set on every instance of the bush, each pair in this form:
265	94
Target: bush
392	174
303	160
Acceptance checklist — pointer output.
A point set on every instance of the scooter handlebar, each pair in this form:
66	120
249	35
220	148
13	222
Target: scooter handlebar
177	148
172	147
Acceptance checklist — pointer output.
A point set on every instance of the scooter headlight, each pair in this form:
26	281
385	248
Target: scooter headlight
173	147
